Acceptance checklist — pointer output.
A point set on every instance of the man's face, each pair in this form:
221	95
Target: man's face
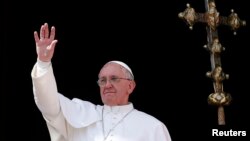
115	89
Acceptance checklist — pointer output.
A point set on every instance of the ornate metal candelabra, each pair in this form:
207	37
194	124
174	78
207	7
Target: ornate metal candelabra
213	19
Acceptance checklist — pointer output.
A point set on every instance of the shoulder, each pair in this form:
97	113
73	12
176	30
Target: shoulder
87	104
81	102
143	117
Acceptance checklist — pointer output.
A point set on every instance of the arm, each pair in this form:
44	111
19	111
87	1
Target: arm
61	113
44	85
47	99
45	90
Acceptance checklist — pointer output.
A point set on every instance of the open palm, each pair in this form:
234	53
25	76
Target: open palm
45	45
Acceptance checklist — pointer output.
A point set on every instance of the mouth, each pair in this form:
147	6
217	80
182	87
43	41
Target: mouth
108	93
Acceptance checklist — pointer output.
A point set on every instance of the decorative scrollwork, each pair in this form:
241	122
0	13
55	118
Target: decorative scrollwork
189	16
235	22
219	99
212	16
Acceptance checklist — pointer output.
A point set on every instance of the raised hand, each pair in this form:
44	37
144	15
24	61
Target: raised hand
45	45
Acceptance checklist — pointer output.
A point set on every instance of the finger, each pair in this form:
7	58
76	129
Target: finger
42	32
46	30
36	37
52	33
53	44
51	48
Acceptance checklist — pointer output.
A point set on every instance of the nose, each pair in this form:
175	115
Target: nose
108	84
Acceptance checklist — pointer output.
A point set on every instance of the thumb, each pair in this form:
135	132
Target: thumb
51	49
52	46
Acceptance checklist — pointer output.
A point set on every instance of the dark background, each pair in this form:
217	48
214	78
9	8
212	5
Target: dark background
167	59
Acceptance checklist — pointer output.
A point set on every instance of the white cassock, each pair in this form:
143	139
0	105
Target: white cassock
78	120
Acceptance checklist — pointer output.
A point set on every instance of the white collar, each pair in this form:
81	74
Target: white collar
118	109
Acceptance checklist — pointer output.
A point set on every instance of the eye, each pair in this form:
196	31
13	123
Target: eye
102	80
114	79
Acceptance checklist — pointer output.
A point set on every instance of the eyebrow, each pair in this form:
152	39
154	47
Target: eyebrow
108	76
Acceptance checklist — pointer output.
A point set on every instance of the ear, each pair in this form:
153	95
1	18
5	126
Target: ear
131	86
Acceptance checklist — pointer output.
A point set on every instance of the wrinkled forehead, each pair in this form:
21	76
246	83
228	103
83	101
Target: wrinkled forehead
111	69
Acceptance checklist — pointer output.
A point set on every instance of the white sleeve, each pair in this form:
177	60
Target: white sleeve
45	89
79	113
47	99
57	109
42	67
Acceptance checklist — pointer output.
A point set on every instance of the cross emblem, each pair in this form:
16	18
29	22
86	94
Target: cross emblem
213	19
